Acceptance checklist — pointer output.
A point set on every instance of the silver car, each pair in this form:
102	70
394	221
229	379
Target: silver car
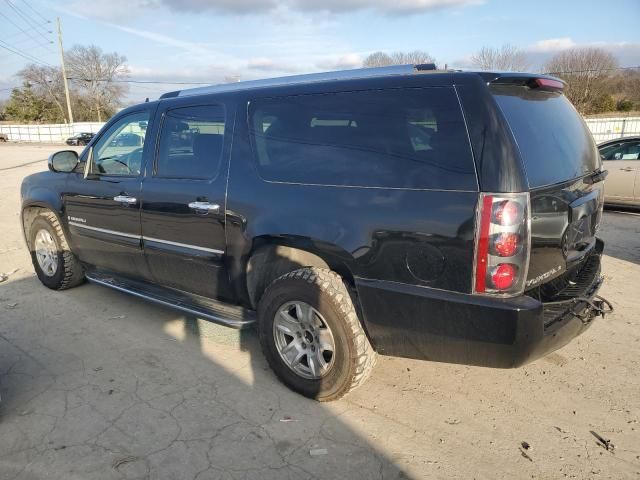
621	157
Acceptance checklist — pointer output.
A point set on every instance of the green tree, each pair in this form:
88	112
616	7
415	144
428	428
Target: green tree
25	105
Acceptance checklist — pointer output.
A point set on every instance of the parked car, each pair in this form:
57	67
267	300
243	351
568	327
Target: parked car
127	140
4	137
445	216
80	139
621	157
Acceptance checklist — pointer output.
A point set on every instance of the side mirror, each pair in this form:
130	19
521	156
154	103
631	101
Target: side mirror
64	161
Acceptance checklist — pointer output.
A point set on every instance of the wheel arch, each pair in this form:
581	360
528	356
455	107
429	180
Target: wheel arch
272	257
30	211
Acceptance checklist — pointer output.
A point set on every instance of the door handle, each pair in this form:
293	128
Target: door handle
124	199
627	169
204	206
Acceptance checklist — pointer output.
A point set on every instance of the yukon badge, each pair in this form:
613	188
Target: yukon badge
544	276
76	219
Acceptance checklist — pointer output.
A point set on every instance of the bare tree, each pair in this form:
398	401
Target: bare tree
507	58
99	75
46	82
586	71
382	59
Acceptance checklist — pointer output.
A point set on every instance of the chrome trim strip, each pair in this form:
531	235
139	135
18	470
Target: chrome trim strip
198	313
104	230
138	237
184	245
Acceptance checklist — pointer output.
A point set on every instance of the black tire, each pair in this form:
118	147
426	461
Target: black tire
325	291
69	272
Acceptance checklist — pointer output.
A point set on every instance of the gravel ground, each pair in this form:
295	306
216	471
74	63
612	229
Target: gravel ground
97	384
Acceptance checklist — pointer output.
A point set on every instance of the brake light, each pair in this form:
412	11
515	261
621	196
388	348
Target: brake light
503	276
502	244
548	84
505	244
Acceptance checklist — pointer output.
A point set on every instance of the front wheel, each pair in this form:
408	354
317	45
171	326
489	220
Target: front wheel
56	266
311	335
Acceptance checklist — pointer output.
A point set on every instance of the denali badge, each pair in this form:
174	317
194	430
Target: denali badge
544	276
76	219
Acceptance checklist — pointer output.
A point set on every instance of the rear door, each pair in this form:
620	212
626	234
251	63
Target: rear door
183	208
560	158
622	160
102	201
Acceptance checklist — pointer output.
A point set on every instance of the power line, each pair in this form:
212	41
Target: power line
31	58
592	70
20	28
157	82
36	12
26	19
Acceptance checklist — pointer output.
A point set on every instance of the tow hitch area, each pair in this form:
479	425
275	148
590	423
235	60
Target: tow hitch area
594	306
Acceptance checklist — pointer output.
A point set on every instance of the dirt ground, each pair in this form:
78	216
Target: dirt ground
96	384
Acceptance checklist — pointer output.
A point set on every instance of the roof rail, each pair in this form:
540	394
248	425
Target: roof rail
302	79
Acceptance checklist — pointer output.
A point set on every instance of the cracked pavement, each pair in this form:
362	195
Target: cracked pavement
99	385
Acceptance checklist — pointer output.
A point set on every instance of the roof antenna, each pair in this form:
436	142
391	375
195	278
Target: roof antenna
147	100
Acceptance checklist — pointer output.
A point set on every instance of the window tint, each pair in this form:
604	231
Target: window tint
119	150
554	142
404	138
191	142
621	151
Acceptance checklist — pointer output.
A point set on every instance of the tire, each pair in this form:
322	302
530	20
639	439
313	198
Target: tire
68	271
324	291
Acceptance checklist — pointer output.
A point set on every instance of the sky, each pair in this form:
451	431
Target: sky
210	41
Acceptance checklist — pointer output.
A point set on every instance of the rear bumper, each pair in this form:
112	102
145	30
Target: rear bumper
423	323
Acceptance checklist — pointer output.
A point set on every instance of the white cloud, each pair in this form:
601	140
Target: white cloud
552	45
339	62
120	9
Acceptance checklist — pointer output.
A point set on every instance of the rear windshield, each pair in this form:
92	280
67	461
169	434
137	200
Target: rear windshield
554	141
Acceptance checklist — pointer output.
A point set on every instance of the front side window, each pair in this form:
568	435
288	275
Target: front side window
396	138
191	142
621	151
119	150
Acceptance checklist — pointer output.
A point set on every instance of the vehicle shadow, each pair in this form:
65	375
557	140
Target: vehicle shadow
99	384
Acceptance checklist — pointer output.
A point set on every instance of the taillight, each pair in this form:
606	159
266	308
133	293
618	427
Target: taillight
502	243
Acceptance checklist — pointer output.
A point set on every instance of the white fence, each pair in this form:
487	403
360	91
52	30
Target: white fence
50	133
613	127
601	128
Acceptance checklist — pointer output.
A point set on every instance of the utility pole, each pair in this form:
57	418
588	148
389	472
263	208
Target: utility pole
64	73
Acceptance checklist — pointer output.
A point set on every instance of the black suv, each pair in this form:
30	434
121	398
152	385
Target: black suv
438	215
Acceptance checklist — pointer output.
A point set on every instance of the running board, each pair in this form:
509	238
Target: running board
222	313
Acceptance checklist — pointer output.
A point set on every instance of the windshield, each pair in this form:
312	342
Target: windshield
554	142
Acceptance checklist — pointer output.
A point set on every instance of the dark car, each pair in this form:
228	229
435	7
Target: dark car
80	139
437	215
127	140
621	157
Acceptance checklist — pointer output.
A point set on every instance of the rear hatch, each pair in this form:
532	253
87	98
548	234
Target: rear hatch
562	166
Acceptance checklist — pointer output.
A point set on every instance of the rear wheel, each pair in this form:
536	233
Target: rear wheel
55	265
311	335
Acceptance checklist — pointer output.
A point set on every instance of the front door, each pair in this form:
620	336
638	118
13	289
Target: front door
102	201
183	200
623	163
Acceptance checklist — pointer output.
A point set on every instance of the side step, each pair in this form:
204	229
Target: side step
201	307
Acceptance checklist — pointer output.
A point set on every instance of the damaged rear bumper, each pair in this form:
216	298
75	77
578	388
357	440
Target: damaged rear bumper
429	324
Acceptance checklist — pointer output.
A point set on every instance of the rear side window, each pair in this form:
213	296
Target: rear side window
191	142
400	138
554	142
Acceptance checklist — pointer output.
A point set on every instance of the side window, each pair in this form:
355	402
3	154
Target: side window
400	138
622	151
191	142
119	150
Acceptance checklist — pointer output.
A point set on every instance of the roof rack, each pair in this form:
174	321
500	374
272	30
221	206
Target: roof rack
306	78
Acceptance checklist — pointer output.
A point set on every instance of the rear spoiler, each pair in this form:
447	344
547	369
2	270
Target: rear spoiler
541	82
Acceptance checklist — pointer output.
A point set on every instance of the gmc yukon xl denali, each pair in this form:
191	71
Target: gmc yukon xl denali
437	215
